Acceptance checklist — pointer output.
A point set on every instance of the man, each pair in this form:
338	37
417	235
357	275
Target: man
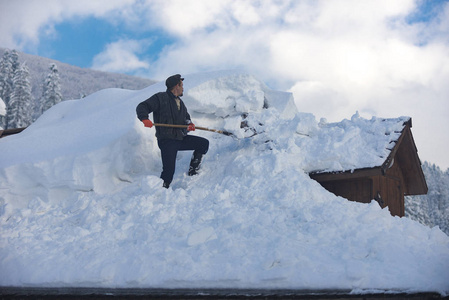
168	108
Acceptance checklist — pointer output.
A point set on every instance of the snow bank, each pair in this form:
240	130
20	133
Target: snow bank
82	205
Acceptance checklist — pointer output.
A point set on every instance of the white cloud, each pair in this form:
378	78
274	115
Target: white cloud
121	57
181	18
23	22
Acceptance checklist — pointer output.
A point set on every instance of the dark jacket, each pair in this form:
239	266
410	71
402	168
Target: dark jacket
165	111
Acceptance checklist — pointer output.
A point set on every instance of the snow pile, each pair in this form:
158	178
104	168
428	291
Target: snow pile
81	202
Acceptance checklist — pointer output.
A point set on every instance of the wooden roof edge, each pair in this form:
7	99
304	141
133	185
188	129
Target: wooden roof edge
388	162
421	177
406	133
6	132
348	174
408	122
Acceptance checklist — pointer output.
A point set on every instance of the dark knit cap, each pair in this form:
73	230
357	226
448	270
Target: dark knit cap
172	81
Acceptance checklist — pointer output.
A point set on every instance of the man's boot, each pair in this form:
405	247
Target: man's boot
195	164
166	184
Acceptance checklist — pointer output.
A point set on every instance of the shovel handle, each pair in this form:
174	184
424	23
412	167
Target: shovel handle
196	127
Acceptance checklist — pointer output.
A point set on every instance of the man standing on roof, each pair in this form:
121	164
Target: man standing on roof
168	108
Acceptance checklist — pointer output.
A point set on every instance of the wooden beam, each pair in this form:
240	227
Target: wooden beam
12	131
351	174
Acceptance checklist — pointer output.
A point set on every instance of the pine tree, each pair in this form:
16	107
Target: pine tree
9	66
20	108
6	75
51	91
15	64
431	209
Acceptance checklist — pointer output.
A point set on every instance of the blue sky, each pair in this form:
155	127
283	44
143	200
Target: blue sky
76	42
378	57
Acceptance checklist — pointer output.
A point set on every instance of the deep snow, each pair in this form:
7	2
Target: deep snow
82	205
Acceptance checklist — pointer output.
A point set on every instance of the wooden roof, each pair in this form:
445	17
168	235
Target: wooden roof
12	131
404	152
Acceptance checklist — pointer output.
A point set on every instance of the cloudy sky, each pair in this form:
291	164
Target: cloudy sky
384	58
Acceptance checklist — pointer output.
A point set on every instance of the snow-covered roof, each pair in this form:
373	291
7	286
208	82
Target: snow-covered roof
353	144
378	145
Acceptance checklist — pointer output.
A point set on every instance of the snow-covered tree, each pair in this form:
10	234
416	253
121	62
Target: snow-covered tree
51	90
431	209
6	76
2	113
15	64
9	66
19	106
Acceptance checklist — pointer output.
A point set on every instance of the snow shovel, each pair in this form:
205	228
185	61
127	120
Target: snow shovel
196	127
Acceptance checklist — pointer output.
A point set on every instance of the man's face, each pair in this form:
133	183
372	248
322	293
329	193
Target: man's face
178	89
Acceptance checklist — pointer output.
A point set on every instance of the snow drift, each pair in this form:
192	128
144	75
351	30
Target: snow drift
82	205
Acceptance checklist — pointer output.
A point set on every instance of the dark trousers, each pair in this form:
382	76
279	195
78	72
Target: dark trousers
169	149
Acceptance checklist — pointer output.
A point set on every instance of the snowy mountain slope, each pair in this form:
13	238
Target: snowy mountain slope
75	82
81	202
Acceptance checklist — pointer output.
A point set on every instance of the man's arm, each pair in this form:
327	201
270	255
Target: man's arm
189	122
143	110
146	107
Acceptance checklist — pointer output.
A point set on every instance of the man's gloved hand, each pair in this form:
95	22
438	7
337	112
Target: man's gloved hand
147	123
191	127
